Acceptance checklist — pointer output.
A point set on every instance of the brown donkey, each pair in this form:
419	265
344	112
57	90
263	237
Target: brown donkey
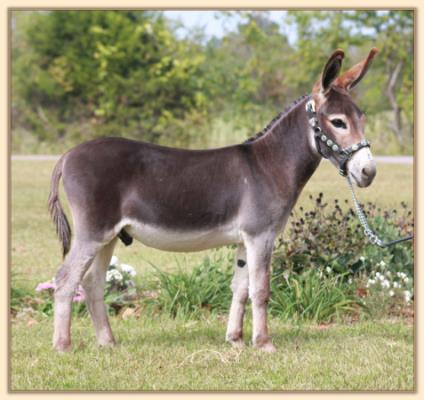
189	200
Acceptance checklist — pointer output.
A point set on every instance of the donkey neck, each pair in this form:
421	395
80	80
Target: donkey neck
284	152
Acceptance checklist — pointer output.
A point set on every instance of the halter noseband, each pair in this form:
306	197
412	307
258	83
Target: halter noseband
321	139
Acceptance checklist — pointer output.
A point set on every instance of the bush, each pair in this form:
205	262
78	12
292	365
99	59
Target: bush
323	270
312	295
328	237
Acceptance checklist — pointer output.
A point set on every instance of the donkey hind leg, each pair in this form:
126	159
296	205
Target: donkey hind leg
68	277
259	251
240	287
93	284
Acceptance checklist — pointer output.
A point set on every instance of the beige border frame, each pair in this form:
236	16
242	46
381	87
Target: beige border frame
190	4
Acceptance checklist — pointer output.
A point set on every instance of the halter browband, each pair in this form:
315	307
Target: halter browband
320	138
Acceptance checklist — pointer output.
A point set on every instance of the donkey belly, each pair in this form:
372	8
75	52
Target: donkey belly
182	240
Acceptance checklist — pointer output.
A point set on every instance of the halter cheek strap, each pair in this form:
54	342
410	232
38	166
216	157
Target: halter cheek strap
343	155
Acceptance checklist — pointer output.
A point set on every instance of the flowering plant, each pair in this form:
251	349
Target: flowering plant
50	286
392	284
119	289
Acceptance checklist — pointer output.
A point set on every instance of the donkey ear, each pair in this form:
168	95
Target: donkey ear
352	77
331	70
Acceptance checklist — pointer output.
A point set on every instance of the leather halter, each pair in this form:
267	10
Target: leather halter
344	155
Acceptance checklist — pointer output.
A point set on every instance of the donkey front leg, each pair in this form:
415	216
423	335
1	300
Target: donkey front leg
94	283
240	288
259	250
67	279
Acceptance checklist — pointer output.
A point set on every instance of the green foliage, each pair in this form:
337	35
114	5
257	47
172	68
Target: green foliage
329	237
313	295
18	295
92	73
81	74
188	294
316	272
320	32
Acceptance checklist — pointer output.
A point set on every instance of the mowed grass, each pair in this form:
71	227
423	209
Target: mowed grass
159	353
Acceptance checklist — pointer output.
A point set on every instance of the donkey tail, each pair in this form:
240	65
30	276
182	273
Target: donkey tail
56	210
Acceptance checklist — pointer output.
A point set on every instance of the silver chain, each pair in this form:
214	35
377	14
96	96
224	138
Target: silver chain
373	238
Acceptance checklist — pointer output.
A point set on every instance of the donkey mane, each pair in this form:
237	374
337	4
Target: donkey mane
276	119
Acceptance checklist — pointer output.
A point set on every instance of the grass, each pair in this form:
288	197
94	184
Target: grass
158	353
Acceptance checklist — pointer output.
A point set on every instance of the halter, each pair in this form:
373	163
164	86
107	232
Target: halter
344	155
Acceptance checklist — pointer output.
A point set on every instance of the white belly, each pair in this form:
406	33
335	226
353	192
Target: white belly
173	240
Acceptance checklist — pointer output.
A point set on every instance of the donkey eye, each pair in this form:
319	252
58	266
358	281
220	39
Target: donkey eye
338	123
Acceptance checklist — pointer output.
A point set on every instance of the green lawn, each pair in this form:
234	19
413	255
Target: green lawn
164	354
158	353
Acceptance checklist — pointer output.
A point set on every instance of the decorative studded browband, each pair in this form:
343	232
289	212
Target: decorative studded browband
343	155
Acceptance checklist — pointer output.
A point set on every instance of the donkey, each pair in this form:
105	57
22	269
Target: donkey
189	200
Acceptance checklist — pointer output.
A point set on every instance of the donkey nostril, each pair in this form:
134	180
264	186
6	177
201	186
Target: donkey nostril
368	172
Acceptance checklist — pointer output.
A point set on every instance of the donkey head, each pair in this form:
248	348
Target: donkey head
340	136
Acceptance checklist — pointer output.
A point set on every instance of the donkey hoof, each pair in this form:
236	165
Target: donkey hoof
62	346
267	347
236	343
107	343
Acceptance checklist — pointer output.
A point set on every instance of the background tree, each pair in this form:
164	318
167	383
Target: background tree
105	73
391	32
81	74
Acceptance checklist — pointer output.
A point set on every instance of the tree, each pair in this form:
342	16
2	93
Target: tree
394	32
391	31
105	73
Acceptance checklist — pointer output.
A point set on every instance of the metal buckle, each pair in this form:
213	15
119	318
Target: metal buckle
310	106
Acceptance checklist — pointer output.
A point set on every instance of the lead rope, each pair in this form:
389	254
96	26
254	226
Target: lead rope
373	238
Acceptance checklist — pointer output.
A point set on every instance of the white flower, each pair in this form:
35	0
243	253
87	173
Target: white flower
385	284
349	280
382	263
407	296
371	281
406	279
362	258
114	261
396	285
388	273
328	269
128	269
113	275
391	293
377	274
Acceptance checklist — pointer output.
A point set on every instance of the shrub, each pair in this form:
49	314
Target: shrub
327	236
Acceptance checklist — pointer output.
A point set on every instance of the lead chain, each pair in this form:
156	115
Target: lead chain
373	238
